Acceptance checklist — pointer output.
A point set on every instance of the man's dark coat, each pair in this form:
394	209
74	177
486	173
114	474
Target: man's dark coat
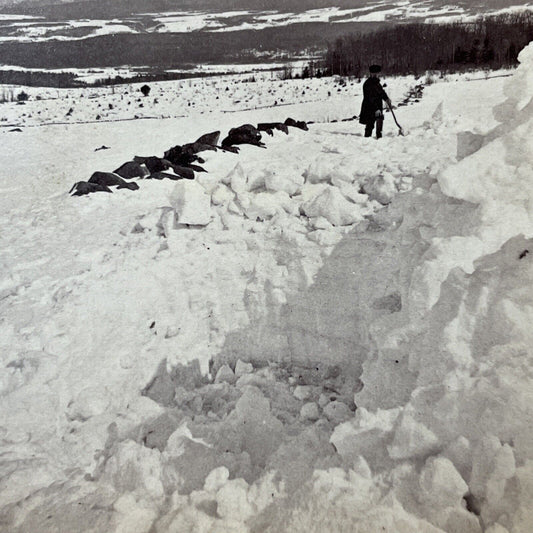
373	96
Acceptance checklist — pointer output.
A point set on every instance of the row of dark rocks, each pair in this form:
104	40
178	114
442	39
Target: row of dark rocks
414	95
180	161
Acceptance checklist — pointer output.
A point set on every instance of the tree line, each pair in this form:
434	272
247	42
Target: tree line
38	78
488	42
63	80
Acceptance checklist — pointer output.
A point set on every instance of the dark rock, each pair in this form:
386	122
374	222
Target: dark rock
181	155
109	179
132	169
15	130
234	149
103	147
265	126
197	147
197	168
296	124
184	172
181	166
209	138
153	163
163	176
246	134
82	187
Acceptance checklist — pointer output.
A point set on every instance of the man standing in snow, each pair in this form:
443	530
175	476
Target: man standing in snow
372	108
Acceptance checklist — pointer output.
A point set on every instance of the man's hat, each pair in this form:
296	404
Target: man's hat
374	69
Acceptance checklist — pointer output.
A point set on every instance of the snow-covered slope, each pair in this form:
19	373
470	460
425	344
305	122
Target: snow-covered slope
214	17
345	346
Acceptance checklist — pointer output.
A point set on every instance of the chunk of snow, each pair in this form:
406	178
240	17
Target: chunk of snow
252	426
496	528
361	467
243	180
493	465
319	171
288	182
133	515
192	203
180	437
459	452
381	188
309	411
338	412
136	469
412	439
325	238
232	501
89	402
303	392
216	479
334	207
265	205
222	195
329	169
242	368
440	483
225	374
456	520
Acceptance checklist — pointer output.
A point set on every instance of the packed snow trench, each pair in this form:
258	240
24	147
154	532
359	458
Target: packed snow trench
336	338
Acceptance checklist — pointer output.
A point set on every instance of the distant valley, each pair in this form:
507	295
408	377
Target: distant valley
166	35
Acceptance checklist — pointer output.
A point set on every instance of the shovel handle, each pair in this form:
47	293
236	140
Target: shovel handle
394	117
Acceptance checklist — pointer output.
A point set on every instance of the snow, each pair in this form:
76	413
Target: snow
95	74
37	29
34	33
405	10
6	16
88	75
328	334
191	203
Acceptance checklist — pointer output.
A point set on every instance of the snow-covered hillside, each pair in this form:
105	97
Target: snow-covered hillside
338	341
24	28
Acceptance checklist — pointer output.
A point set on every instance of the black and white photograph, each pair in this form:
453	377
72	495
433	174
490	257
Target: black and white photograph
266	266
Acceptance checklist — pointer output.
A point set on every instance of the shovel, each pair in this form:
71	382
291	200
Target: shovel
400	132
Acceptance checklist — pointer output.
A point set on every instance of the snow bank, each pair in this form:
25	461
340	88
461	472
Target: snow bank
296	346
442	434
463	332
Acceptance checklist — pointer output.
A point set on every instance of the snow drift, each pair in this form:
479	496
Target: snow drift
349	359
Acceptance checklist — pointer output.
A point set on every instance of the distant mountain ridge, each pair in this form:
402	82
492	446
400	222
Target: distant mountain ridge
97	8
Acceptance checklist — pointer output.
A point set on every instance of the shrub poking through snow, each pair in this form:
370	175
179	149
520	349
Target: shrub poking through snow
23	97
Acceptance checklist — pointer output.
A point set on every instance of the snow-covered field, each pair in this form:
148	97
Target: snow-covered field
96	74
343	345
